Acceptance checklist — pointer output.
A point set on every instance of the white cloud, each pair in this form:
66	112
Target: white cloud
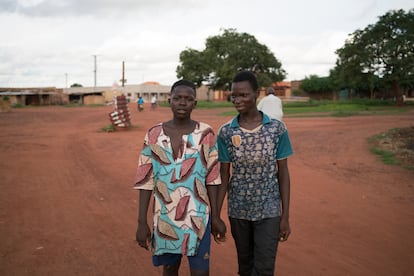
43	40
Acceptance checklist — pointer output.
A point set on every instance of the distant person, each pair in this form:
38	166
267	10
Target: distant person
140	103
271	105
153	102
253	152
179	167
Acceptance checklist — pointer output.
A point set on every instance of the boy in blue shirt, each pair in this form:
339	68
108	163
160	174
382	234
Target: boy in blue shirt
258	187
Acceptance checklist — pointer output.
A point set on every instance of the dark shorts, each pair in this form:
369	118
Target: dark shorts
200	261
256	244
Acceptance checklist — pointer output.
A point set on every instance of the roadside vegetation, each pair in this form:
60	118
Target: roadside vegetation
324	108
108	128
395	147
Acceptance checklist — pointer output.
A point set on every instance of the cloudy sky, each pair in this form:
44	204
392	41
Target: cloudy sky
54	42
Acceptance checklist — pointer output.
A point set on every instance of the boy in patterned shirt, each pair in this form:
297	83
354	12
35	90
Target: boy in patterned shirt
179	166
257	148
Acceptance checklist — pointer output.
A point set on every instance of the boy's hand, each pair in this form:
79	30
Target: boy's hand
218	230
284	229
143	235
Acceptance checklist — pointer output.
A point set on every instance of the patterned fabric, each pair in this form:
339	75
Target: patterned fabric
254	188
181	208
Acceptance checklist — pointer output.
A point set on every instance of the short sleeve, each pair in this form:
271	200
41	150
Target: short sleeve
213	166
284	147
223	153
144	179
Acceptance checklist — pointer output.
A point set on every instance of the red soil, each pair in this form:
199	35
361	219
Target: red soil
67	206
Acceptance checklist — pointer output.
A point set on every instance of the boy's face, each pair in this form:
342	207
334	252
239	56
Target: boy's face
243	96
182	101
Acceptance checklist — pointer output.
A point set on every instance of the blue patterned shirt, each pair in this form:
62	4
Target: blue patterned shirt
254	189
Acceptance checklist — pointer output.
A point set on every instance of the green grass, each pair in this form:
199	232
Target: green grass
386	156
108	128
314	108
17	105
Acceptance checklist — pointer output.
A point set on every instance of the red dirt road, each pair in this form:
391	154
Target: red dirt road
67	206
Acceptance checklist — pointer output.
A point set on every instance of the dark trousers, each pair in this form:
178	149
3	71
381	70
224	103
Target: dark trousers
256	244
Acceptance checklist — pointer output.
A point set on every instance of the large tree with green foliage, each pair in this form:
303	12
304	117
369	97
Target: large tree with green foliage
321	87
384	50
225	55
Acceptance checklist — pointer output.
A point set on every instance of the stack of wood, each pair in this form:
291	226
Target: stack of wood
120	117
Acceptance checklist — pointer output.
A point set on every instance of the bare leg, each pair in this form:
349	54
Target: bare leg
171	270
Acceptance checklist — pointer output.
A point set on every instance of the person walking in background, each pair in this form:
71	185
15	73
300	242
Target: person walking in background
179	166
140	103
271	105
258	184
153	102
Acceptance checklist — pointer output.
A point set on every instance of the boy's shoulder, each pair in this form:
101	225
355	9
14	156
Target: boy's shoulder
227	125
204	130
277	125
153	133
203	126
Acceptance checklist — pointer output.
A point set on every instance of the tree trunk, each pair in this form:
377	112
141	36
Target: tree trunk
397	92
335	95
371	90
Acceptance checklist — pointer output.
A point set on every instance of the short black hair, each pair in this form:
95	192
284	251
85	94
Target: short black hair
247	76
270	90
183	83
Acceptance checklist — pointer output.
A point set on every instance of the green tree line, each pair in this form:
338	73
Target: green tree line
372	61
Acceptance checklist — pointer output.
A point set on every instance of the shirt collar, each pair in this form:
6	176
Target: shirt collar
235	122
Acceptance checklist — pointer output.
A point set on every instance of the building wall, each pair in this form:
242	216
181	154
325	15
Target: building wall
93	99
4	105
109	95
34	96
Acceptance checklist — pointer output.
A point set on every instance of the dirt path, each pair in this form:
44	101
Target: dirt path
67	206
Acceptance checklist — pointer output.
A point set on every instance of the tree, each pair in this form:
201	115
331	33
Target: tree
193	66
384	50
321	86
76	85
225	55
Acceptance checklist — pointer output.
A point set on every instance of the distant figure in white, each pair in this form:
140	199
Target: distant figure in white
271	105
153	102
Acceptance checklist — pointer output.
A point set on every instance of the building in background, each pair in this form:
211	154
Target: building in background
34	95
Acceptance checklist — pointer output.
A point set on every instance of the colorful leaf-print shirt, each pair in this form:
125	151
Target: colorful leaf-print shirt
181	206
254	188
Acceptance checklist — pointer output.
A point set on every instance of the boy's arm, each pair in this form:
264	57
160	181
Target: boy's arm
143	234
222	190
217	225
220	230
284	185
216	195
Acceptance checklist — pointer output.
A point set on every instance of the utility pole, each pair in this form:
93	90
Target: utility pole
66	80
123	80
95	71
